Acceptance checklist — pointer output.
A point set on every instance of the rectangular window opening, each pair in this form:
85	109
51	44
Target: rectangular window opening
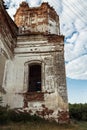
34	78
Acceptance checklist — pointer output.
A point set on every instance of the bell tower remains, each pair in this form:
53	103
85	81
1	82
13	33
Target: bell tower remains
34	78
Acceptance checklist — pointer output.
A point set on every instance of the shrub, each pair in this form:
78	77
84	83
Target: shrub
16	116
3	115
78	111
0	101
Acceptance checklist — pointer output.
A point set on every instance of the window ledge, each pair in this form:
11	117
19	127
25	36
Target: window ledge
34	96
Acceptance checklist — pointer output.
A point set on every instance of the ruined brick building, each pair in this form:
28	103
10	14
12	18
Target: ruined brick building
32	70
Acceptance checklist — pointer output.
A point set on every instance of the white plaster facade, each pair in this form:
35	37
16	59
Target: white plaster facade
46	50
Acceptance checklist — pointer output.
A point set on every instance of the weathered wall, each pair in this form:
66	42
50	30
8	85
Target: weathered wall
53	97
8	31
38	19
36	43
2	67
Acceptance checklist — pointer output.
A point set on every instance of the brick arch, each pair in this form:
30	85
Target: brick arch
33	62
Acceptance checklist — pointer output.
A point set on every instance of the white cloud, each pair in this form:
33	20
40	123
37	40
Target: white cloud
81	43
33	3
75	13
73	21
73	38
76	46
77	69
12	11
69	53
67	29
80	25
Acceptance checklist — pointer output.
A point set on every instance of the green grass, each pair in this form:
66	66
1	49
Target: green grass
83	125
44	126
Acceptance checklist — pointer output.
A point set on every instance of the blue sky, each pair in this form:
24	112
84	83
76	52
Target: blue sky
73	24
77	91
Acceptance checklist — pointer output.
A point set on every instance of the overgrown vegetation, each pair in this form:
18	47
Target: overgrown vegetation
0	101
8	116
78	111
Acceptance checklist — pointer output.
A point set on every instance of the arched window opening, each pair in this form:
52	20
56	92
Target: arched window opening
34	78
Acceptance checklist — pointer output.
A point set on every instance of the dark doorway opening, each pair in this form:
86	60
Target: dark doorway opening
34	78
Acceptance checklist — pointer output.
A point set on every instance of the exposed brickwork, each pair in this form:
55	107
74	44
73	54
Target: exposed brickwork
39	19
36	40
55	38
34	96
46	112
63	117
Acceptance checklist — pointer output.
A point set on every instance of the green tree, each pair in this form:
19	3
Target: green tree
78	111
